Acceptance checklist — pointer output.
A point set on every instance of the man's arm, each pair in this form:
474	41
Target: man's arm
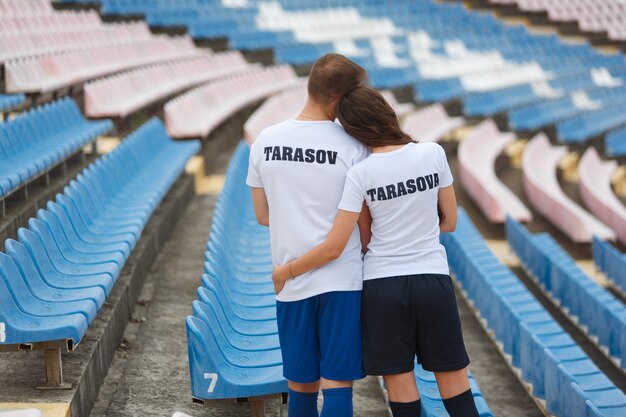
365	227
261	208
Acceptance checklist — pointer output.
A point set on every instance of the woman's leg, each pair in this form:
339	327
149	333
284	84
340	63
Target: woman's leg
404	398
456	394
440	342
452	383
389	337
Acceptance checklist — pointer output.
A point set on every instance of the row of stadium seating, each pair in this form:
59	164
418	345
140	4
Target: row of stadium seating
611	262
197	112
477	155
597	193
540	163
58	273
18	41
8	101
40	139
585	301
232	335
40	74
592	16
8	7
444	50
560	373
431	123
123	94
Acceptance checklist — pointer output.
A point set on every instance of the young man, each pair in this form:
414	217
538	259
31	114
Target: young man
297	171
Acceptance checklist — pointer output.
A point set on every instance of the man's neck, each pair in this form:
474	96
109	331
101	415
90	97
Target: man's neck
314	112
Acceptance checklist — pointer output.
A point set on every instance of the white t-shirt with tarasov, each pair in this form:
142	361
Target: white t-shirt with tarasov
401	190
302	167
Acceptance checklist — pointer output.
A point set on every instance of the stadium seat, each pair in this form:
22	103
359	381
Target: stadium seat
615	142
592	16
58	273
197	112
46	73
611	262
590	305
540	161
8	101
277	108
477	155
123	94
597	193
549	359
24	36
234	352
431	124
40	139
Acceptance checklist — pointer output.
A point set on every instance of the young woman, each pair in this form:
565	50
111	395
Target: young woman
408	303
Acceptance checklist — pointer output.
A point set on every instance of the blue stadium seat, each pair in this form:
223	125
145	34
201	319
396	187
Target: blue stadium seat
8	101
56	276
549	359
615	142
592	306
611	262
232	334
41	138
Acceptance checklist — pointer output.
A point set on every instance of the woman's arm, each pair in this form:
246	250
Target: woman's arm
365	227
261	208
447	209
327	251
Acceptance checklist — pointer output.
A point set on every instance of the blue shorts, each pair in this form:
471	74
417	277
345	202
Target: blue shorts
320	336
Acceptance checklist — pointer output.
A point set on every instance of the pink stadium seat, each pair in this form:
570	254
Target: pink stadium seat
288	103
431	123
402	109
542	188
198	112
49	72
123	94
276	109
26	7
20	44
477	155
591	15
596	191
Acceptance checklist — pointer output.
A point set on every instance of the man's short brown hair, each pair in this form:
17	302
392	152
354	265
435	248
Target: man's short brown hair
332	76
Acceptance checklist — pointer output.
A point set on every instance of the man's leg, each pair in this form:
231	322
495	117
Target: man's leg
303	399
297	331
337	398
339	328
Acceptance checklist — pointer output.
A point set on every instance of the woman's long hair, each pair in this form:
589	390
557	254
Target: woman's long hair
365	114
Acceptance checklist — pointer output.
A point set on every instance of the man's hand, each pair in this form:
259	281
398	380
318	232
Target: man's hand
280	275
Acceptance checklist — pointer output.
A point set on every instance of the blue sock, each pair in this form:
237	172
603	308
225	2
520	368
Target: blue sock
337	402
302	404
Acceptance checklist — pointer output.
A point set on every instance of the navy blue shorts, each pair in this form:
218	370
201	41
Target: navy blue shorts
409	316
320	336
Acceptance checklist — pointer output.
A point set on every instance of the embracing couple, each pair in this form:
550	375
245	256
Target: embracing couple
329	194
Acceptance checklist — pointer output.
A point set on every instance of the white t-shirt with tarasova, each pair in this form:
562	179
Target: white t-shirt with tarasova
302	167
401	190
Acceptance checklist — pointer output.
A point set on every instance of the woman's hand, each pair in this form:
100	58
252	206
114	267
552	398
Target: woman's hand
280	275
